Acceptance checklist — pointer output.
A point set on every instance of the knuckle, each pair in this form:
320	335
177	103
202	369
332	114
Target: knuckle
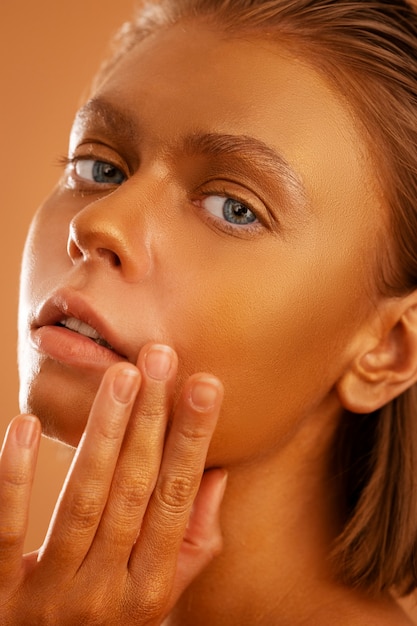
153	599
91	613
85	511
10	536
176	492
151	605
152	413
194	433
92	609
16	477
133	495
110	431
133	492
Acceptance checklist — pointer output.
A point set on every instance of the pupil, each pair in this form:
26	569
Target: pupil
239	210
237	213
108	170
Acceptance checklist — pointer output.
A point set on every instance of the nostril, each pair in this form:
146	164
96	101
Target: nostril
73	250
110	256
95	240
87	250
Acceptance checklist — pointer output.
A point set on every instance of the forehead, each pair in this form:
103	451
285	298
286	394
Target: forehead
190	78
227	74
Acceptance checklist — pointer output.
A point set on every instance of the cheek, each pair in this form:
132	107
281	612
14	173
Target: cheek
44	263
45	256
278	341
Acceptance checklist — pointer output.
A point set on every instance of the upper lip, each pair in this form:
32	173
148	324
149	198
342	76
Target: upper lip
65	304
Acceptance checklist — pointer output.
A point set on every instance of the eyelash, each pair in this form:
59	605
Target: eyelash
63	161
219	223
73	162
221	192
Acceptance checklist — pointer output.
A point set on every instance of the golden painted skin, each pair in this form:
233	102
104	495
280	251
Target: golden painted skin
219	202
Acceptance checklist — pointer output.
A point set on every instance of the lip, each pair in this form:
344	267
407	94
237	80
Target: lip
67	346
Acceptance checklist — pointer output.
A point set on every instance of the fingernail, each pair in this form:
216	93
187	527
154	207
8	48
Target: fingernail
204	394
26	431
158	362
124	385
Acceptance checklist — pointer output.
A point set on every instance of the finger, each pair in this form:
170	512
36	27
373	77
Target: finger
86	488
140	458
203	539
17	470
156	552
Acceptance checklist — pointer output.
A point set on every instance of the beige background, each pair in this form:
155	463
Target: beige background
49	51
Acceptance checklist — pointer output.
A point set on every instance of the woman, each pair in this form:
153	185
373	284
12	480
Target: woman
238	200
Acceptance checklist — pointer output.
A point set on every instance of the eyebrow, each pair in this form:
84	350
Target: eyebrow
249	154
105	114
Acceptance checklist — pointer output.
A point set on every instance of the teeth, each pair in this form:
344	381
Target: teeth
84	329
80	327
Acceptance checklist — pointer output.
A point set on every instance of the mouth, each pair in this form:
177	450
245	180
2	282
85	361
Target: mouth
68	329
77	326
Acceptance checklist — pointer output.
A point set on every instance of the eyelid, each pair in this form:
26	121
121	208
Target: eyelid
94	153
79	167
99	151
231	189
258	227
224	206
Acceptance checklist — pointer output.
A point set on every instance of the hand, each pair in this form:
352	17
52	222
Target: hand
137	518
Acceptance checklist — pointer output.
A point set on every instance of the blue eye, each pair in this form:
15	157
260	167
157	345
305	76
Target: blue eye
99	172
229	209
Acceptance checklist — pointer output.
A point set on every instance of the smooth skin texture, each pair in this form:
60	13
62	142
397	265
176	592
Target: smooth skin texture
218	199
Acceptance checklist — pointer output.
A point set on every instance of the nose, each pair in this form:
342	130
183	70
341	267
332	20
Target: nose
105	233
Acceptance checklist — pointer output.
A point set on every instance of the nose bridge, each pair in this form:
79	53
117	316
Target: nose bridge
111	230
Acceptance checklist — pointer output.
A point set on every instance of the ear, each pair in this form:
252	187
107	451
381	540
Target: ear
385	364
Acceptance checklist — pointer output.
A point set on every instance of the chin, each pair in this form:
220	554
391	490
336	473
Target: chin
57	422
61	406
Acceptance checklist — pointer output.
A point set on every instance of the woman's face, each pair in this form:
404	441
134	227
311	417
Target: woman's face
218	198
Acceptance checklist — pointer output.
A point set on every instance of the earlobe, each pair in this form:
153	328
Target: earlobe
389	366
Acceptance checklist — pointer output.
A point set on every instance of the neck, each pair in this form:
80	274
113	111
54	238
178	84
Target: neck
278	528
279	525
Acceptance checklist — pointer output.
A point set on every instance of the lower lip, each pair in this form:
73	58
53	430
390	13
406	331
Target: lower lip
71	348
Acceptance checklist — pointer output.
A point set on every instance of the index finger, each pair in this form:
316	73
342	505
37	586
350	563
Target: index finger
86	489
